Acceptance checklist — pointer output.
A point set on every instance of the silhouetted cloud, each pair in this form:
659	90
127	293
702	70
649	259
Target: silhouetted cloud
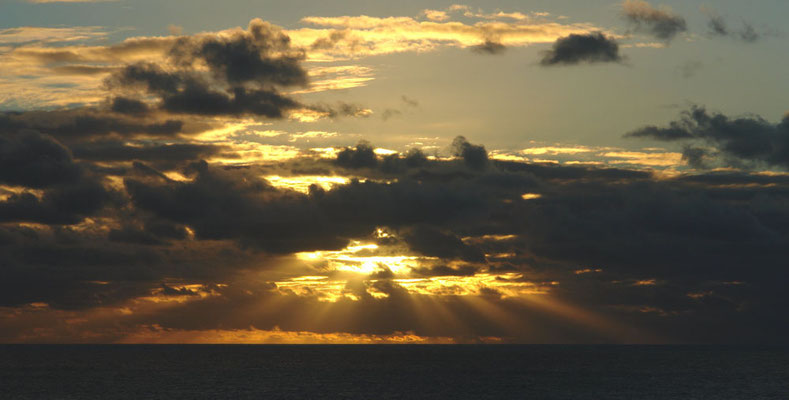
489	47
749	139
87	123
618	241
246	68
36	161
113	222
662	23
361	156
433	242
718	27
129	106
61	204
475	156
588	48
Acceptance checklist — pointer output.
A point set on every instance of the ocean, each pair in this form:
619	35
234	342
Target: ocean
392	372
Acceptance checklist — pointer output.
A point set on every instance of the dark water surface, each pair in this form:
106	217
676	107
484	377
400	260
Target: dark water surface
389	372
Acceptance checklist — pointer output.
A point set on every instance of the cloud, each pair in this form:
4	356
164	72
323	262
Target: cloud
62	204
122	221
741	141
165	156
245	69
355	36
576	49
489	47
36	161
432	242
360	157
192	250
475	156
79	124
718	27
33	68
34	34
662	23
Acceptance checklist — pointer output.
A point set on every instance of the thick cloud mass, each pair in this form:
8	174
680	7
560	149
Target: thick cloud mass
576	49
741	140
244	70
475	156
34	160
675	256
361	156
86	124
661	23
261	55
123	219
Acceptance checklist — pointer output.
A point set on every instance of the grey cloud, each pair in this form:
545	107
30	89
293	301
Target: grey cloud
743	140
61	204
246	68
718	27
587	48
34	160
430	241
363	155
661	23
85	124
475	156
489	47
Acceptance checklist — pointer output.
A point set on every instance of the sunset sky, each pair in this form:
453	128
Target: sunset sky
306	171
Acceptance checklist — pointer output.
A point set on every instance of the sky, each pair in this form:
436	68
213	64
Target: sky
393	172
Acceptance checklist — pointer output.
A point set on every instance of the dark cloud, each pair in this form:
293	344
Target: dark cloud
262	55
489	47
245	70
443	270
129	106
433	242
398	163
341	109
36	161
683	256
720	237
718	27
475	156
62	204
662	23
240	101
749	34
185	92
165	156
694	156
362	156
742	141
85	124
587	48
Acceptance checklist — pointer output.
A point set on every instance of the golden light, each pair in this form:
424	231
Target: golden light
530	196
302	183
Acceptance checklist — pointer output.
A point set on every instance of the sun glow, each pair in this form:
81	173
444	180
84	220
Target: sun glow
302	183
361	258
